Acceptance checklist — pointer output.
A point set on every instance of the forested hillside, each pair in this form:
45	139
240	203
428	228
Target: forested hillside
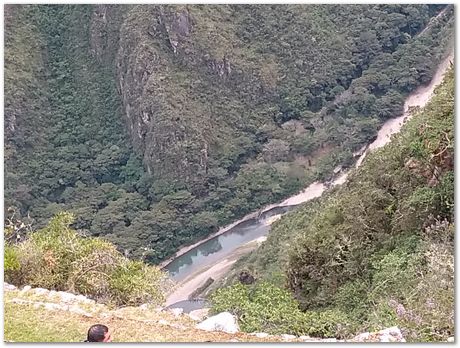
155	124
375	252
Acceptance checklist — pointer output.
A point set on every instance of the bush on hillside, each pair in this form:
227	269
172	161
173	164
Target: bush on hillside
56	257
381	247
11	262
264	307
415	290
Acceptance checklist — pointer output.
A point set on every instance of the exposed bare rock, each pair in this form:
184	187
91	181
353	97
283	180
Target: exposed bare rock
8	287
294	126
199	314
287	337
305	338
26	288
103	33
177	24
221	67
176	311
224	321
391	334
41	291
260	334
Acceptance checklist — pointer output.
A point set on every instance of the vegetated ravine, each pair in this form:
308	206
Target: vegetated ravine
214	257
156	124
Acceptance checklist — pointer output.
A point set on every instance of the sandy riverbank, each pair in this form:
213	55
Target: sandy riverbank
184	288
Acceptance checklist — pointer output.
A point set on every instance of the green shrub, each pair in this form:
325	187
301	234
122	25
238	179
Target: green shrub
10	261
351	298
134	282
380	247
446	194
47	256
267	308
327	323
56	257
91	273
420	305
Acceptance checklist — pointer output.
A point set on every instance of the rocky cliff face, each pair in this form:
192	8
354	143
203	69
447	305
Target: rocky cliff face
190	77
24	102
104	30
157	116
163	73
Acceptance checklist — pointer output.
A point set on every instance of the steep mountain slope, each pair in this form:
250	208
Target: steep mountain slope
227	107
378	250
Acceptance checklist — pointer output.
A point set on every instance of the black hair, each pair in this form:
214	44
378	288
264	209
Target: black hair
96	333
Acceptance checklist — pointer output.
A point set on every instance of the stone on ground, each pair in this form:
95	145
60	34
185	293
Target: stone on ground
176	311
225	322
260	334
41	291
288	337
26	288
9	287
391	334
199	314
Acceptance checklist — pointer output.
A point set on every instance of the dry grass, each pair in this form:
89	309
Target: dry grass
25	323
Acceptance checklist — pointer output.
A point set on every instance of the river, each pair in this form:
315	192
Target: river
215	255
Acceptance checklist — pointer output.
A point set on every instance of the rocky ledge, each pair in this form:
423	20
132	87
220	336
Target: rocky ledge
222	322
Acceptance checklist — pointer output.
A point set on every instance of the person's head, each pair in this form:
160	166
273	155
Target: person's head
99	333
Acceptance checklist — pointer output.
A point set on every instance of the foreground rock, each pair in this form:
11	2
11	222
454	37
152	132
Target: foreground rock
8	287
176	311
391	334
199	314
224	322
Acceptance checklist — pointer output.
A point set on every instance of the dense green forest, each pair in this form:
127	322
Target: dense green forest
375	252
156	124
